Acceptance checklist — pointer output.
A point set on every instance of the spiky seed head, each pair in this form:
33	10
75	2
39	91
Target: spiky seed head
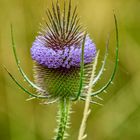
57	53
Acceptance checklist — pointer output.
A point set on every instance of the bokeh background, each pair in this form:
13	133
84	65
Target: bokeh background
119	118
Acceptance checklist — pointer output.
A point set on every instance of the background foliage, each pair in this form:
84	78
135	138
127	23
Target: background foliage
119	119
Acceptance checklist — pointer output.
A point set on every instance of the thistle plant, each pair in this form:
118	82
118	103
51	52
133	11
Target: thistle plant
65	59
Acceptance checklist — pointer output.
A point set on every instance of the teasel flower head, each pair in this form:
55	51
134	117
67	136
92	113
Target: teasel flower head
57	52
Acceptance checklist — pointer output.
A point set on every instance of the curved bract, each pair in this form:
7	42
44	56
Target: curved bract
116	62
18	63
24	89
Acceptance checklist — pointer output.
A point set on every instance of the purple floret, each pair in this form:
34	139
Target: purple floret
69	56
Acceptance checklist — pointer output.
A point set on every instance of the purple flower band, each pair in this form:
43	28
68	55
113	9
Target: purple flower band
69	56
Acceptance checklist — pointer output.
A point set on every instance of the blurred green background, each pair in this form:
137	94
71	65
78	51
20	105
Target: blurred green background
119	118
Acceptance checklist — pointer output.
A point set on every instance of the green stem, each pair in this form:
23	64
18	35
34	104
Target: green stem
63	118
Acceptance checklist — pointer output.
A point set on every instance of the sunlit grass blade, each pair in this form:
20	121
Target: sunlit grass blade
103	65
81	69
18	63
116	62
24	89
88	100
